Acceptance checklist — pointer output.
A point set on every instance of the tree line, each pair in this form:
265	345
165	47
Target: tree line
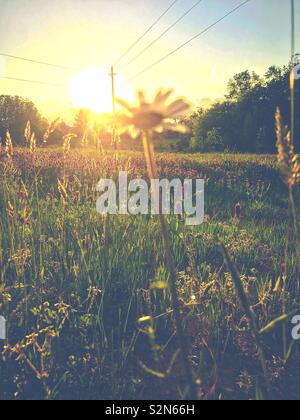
245	120
242	122
15	112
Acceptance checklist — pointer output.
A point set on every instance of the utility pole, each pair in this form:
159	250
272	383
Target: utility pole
114	137
293	63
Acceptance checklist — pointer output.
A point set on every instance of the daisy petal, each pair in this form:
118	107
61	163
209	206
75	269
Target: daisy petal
124	120
161	97
177	108
159	129
177	128
124	105
142	98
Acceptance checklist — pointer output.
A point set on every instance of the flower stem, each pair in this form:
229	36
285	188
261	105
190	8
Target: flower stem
152	171
295	223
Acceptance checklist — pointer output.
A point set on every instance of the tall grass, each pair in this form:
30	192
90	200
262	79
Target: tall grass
153	174
73	286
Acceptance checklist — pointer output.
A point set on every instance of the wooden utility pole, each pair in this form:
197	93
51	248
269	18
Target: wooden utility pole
114	137
293	63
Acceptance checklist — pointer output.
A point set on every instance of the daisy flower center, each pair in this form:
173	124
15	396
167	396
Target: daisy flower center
147	120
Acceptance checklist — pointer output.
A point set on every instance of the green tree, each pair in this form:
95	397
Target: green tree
15	112
245	119
241	84
220	116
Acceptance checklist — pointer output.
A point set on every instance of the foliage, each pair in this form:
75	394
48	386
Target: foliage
14	114
245	119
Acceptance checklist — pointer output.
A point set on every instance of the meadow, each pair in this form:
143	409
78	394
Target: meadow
87	297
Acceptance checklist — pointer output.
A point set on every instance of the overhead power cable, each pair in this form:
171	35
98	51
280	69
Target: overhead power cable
43	63
190	40
37	82
162	34
146	32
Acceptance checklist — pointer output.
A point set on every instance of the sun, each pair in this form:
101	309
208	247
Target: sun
91	89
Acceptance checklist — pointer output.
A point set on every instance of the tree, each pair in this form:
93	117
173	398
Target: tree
15	112
213	141
241	84
245	119
220	116
82	125
60	130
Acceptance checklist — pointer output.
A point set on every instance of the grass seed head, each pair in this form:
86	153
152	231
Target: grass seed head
9	145
288	159
27	133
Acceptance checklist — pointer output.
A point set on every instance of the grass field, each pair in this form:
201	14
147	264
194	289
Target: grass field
87	298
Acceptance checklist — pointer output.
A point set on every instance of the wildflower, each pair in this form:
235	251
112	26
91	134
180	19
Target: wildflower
245	381
157	116
237	211
193	299
24	216
76	196
23	195
63	308
21	220
284	267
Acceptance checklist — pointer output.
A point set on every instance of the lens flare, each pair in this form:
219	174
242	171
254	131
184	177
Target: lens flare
91	89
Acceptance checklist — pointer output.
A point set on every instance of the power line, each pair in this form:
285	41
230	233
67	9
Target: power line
147	68
146	32
37	82
43	63
162	34
190	40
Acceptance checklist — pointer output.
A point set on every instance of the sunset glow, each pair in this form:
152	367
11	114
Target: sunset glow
149	203
91	89
96	33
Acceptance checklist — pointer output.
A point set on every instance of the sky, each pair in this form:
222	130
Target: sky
92	34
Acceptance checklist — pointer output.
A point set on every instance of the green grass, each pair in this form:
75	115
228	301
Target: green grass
95	295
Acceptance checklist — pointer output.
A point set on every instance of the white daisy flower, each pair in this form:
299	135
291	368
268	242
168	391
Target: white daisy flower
157	116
